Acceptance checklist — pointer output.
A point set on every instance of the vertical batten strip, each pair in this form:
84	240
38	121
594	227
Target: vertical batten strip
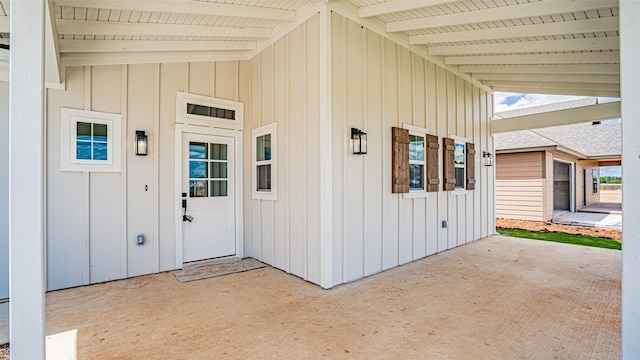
345	151
326	167
123	170
365	93
305	83
156	168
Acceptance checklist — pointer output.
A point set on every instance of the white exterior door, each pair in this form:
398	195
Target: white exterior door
208	168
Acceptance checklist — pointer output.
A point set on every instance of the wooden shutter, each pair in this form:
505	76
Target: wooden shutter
471	167
433	178
400	161
448	165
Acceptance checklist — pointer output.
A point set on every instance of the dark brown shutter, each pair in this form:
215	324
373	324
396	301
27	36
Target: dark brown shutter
433	178
448	165
471	167
400	161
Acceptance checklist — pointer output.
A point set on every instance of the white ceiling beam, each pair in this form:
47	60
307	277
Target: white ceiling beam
4	24
542	8
553	85
397	6
84	27
612	57
548	91
577	115
543	69
93	46
187	7
548	29
589	78
588	44
151	57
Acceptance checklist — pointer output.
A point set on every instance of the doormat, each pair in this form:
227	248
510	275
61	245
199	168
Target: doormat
217	268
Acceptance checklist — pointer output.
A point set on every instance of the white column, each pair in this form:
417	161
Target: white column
26	187
630	108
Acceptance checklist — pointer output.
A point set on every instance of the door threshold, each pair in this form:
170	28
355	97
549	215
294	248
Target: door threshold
214	261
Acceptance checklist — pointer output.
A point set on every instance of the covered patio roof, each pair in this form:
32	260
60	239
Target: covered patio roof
559	47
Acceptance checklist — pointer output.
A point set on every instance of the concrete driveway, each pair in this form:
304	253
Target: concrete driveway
496	298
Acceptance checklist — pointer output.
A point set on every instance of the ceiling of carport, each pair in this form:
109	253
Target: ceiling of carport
536	46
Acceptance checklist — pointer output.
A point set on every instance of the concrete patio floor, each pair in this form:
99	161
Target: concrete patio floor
496	298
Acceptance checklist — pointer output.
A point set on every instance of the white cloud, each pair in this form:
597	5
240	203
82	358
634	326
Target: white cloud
512	101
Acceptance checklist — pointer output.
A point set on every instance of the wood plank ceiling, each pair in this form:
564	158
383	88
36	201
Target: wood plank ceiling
538	46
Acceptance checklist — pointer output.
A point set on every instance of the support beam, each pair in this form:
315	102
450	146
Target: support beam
187	7
552	91
588	78
151	57
610	57
542	8
588	44
397	6
630	50
547	29
553	85
555	118
99	28
109	46
26	171
606	69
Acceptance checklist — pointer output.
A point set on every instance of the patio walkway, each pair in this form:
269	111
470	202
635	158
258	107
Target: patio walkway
496	298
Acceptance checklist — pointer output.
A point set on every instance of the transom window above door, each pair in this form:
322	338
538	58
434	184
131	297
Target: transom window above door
208	170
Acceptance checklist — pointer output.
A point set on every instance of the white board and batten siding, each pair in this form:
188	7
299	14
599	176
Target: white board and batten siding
93	218
520	186
285	89
377	85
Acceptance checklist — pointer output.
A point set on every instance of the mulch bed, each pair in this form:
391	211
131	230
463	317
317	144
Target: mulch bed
4	352
558	228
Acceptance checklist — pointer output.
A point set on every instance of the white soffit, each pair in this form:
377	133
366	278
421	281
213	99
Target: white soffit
493	41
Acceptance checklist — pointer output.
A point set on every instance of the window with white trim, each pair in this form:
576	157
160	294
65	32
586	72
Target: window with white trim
89	141
264	182
459	162
417	161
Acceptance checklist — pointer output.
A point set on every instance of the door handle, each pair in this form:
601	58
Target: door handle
185	217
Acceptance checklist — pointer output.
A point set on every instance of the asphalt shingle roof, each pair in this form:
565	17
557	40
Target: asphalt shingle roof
593	141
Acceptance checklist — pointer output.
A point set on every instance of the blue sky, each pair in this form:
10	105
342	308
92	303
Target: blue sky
511	101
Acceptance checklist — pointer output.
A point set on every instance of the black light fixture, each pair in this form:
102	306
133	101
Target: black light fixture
488	158
142	143
358	141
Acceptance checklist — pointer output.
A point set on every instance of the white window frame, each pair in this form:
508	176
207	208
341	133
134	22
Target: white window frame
69	118
418	193
270	129
182	116
463	141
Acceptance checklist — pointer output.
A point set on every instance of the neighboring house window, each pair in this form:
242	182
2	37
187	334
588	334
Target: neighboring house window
264	162
89	141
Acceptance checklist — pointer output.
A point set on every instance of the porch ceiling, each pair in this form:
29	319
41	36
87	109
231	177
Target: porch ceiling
538	46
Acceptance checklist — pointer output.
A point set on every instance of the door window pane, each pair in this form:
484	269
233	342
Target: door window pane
218	151
218	188
198	169
99	151
218	170
197	150
83	130
100	132
264	177
83	150
198	188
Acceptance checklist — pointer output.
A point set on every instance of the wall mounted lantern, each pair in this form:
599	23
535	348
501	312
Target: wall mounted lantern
142	143
358	141
488	158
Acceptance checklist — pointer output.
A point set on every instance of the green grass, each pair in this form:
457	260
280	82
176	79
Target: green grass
563	238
